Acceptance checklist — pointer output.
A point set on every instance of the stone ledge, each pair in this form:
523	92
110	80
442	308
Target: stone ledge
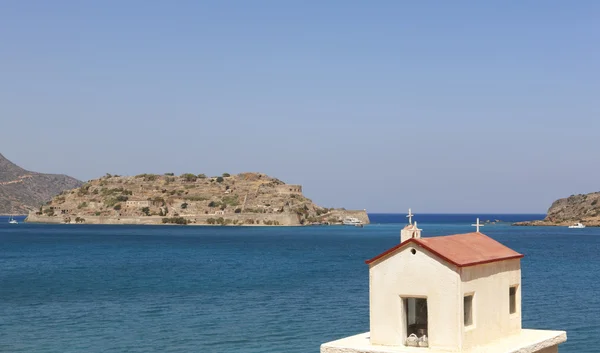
527	341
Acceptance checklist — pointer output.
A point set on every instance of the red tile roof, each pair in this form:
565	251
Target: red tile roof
461	249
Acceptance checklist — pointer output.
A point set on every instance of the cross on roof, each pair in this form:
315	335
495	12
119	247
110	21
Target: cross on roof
417	228
410	216
477	225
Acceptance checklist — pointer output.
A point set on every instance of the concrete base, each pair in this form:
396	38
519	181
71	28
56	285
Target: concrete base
528	341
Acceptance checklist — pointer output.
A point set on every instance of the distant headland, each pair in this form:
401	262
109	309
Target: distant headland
584	208
242	199
23	190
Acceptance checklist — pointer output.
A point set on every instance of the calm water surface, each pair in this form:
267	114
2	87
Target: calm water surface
78	288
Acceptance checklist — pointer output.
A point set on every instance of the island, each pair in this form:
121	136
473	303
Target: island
582	208
247	199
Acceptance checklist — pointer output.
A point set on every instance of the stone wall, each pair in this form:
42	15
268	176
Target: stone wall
284	219
289	189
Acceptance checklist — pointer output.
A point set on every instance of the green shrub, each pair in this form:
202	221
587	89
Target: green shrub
188	177
175	220
211	221
169	174
110	202
184	205
238	210
147	177
220	179
201	176
225	175
146	211
231	200
84	190
82	205
117	207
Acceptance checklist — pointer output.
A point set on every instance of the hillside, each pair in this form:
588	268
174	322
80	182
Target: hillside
243	199
22	190
584	208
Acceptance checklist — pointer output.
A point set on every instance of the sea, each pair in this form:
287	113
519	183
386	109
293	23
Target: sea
107	288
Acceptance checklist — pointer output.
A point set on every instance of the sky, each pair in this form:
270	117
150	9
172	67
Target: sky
454	107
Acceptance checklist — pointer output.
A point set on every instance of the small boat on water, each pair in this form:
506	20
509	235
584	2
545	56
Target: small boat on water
577	225
11	220
351	221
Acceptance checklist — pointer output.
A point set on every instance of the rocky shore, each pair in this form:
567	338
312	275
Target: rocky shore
583	208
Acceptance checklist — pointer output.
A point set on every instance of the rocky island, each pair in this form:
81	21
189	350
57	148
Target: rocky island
243	199
23	190
584	208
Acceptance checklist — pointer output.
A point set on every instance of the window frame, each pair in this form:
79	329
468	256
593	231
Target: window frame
512	299
471	324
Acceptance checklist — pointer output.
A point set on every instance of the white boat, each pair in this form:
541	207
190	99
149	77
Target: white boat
351	221
11	220
577	225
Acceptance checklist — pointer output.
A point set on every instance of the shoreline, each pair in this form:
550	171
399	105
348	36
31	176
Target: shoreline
544	223
193	224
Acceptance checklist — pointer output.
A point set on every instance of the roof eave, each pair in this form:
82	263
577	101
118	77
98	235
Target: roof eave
436	253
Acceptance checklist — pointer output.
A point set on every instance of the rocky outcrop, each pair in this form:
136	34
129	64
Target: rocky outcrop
22	190
243	199
584	208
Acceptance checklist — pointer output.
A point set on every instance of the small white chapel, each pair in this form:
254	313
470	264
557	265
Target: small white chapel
455	293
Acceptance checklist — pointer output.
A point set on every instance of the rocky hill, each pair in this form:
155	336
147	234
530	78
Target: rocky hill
243	199
22	190
584	208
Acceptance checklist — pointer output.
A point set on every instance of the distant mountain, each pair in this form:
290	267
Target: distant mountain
22	190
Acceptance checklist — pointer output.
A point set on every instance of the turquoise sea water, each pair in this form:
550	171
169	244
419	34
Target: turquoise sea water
78	288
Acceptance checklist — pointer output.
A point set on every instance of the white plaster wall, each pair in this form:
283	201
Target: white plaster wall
491	283
406	234
553	349
420	275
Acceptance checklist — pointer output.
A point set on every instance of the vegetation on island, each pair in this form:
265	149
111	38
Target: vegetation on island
189	198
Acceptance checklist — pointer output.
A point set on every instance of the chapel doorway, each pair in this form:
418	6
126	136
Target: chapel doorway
415	310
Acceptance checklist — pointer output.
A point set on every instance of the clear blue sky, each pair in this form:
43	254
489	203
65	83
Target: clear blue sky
464	106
